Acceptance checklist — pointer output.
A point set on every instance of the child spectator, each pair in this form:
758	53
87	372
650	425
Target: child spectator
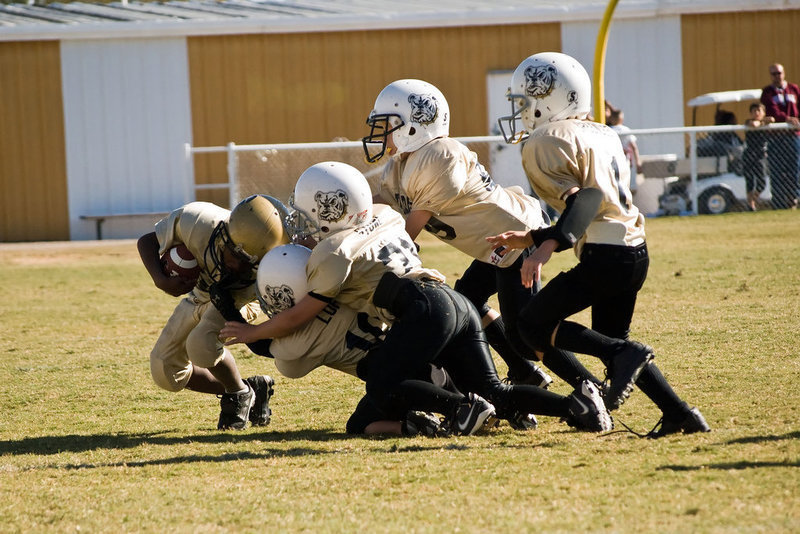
755	152
615	120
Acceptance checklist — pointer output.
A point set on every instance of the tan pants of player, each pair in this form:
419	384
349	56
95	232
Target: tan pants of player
189	337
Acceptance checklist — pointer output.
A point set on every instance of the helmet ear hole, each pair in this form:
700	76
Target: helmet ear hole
412	131
537	114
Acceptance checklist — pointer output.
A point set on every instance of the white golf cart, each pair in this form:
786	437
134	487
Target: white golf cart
720	181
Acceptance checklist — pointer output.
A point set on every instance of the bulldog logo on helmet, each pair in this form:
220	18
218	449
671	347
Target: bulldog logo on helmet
278	298
424	108
331	205
539	80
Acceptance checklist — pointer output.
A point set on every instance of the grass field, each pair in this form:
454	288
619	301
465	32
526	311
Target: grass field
89	444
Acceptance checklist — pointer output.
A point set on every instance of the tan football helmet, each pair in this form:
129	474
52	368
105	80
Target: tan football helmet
256	225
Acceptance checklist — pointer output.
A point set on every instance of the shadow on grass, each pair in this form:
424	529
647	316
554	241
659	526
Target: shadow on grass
201	458
762	439
44	445
269	453
726	466
82	443
743	464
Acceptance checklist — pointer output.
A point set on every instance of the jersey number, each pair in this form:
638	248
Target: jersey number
442	230
624	192
398	256
486	178
355	340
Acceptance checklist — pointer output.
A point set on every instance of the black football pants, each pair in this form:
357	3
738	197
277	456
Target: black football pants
437	325
607	279
482	280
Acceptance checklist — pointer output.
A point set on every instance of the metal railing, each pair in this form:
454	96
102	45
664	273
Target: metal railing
699	169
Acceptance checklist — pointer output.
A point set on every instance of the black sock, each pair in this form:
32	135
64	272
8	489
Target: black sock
578	338
567	367
532	399
425	397
655	386
518	366
441	378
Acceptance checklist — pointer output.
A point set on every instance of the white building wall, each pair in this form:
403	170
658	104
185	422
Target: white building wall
643	75
643	70
127	115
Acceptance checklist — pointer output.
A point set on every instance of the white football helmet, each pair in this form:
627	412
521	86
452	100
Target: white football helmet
281	279
414	110
329	197
544	88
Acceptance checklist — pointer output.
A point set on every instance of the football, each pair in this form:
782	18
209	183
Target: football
178	261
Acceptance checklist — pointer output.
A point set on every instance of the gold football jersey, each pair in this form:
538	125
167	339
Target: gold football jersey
338	337
192	225
445	178
348	265
565	154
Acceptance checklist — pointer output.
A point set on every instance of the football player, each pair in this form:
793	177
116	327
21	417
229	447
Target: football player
227	246
579	168
364	259
338	338
438	184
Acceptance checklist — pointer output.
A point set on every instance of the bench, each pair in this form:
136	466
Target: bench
100	219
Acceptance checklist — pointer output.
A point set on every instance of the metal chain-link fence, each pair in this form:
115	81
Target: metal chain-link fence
706	170
721	168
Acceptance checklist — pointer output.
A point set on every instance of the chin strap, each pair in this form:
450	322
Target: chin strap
581	208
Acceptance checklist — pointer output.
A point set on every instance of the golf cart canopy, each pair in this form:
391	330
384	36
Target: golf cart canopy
725	96
720	98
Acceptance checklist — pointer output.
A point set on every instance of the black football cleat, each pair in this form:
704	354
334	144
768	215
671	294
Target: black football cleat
470	415
587	411
692	422
422	424
625	367
235	409
538	378
261	413
523	421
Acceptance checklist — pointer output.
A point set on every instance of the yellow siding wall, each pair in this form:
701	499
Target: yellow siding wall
728	51
320	86
33	184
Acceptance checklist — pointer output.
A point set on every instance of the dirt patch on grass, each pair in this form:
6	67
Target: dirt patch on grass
55	252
